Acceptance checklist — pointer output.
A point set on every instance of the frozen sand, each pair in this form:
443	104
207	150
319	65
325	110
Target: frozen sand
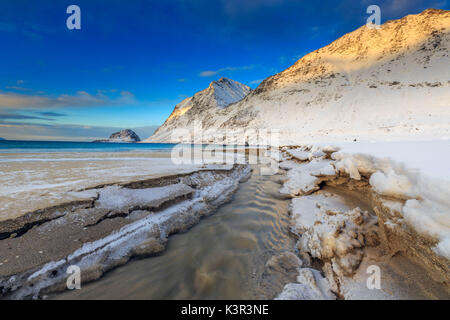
122	221
29	182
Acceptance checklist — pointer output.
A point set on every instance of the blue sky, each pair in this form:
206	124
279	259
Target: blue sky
132	61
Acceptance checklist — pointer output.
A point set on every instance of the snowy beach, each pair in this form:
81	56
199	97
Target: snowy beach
370	202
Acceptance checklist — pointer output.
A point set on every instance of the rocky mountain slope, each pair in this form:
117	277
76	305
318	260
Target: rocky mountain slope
370	84
202	108
126	135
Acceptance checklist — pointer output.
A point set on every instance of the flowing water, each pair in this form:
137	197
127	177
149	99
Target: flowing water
223	257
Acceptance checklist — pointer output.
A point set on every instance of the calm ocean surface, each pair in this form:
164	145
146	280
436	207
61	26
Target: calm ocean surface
12	146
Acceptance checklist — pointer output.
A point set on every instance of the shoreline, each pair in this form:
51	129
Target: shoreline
121	222
51	179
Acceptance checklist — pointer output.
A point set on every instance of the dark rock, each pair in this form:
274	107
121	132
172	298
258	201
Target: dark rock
126	135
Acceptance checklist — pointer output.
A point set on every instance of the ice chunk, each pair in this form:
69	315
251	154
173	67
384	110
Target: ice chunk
304	178
118	198
307	209
311	286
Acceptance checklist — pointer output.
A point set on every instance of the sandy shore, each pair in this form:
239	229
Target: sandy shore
121	221
33	181
96	211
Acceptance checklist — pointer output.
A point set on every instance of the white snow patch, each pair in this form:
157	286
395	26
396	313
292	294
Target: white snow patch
303	178
311	286
307	210
227	91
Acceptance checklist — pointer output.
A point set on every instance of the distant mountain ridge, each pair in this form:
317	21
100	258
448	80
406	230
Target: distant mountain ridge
385	83
126	135
203	107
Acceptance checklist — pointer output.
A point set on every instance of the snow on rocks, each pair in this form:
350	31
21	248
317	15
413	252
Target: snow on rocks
338	237
412	212
430	219
355	165
307	210
299	154
304	178
330	149
425	202
301	181
285	273
331	231
305	155
310	285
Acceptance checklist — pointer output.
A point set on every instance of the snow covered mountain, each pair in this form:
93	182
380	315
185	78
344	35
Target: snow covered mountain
370	84
202	108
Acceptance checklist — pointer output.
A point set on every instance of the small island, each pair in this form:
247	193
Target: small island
126	135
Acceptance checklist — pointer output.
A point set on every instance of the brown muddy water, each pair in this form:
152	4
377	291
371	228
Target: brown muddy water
223	257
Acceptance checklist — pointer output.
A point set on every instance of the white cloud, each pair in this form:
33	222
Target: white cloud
12	100
17	88
256	81
25	131
210	73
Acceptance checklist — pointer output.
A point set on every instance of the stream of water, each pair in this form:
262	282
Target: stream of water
223	257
